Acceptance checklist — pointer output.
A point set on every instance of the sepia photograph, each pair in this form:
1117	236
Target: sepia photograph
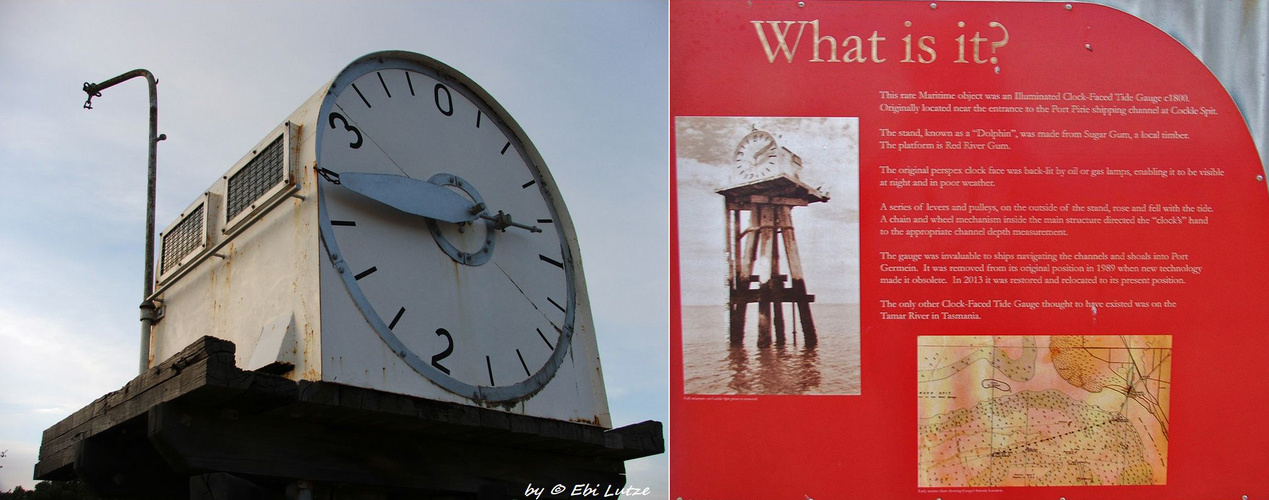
768	220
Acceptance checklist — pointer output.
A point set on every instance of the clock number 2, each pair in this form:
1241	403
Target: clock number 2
449	349
336	116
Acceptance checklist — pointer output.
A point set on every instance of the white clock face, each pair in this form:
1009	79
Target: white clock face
481	308
756	155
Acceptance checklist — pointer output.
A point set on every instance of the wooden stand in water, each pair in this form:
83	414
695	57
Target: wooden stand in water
769	203
196	426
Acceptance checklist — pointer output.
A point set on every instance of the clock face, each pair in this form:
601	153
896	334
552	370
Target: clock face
483	308
756	155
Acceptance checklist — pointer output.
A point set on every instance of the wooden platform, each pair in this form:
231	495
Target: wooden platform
196	426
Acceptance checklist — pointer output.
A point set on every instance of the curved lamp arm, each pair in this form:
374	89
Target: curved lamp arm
147	306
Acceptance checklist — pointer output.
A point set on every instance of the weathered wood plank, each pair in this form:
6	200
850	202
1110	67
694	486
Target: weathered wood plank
260	424
120	463
196	439
181	374
343	404
635	440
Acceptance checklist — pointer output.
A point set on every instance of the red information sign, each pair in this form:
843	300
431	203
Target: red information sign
960	250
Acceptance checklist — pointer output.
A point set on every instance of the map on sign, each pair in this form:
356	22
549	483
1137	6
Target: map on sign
1042	410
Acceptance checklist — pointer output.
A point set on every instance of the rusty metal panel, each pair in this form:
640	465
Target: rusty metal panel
255	280
268	277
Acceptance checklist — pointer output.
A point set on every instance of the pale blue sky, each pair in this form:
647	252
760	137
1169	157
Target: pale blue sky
586	80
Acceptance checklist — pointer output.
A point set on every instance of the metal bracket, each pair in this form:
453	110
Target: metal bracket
92	90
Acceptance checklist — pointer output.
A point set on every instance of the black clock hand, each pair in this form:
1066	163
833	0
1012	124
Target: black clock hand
420	198
763	150
408	195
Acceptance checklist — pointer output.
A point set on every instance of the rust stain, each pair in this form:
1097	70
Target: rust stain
310	338
229	261
580	420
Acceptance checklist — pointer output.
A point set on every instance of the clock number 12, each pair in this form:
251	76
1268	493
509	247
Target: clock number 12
449	349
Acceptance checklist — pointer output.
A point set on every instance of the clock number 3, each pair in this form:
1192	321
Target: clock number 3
336	116
449	349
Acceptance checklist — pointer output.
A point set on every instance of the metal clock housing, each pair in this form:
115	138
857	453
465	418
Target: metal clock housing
756	155
485	309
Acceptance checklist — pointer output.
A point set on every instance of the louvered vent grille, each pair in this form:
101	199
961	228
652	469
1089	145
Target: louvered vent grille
182	239
254	180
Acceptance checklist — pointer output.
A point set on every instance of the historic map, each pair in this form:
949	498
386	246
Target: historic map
1042	410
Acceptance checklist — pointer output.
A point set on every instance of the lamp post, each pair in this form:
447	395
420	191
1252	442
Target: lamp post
147	305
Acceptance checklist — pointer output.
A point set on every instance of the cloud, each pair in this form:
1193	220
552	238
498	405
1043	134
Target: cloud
52	368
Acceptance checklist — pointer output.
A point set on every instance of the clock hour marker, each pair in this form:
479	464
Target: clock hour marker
552	301
396	318
489	366
548	343
370	271
527	184
544	221
478	118
363	98
552	262
504	148
408	82
343	223
385	85
522	363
